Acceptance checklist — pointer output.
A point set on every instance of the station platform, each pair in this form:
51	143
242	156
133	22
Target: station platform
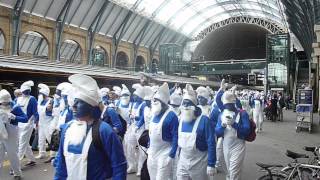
269	147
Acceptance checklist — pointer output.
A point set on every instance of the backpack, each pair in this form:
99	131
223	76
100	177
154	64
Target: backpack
122	121
252	135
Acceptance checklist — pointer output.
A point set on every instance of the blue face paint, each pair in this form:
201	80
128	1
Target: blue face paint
187	102
58	92
148	103
26	92
83	109
202	101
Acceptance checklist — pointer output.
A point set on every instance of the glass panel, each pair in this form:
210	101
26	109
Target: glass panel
147	7
278	48
183	17
169	10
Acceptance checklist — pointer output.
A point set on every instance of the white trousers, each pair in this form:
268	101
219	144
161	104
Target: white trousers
25	133
44	135
11	147
258	119
130	144
234	151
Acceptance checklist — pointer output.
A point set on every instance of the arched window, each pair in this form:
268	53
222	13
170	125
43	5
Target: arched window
2	41
71	52
122	60
33	44
100	56
140	63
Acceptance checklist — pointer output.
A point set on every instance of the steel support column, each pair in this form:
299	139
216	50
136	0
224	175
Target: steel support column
16	25
60	26
137	41
155	42
116	40
93	29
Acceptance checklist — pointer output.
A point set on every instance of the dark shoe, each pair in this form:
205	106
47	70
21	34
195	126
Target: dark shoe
49	160
17	177
31	163
11	172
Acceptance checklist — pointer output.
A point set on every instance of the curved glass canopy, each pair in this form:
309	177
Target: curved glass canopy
192	16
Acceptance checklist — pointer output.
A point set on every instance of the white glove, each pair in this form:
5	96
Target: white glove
136	129
131	116
211	171
11	116
223	85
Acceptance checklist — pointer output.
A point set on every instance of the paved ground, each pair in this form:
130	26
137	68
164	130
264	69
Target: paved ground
269	147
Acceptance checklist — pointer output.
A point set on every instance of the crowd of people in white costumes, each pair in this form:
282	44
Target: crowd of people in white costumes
95	132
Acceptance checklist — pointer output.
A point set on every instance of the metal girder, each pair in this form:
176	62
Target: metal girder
33	6
137	41
150	38
161	6
209	8
275	19
16	24
86	13
105	19
60	22
74	54
24	40
116	40
133	19
136	26
74	13
156	41
93	29
270	26
37	49
47	11
44	47
30	44
190	3
114	20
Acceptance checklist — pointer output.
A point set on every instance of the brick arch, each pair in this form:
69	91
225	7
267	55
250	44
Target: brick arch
139	63
80	41
106	54
62	50
42	35
46	32
122	60
4	43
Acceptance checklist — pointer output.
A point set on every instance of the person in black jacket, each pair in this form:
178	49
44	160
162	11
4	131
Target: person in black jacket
274	104
281	106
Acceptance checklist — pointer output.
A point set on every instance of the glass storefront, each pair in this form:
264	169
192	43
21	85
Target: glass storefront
278	51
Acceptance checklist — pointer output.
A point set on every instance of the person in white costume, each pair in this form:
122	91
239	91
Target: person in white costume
29	105
163	133
203	96
45	104
234	127
196	140
10	116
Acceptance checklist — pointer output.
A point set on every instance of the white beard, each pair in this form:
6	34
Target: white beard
76	132
187	115
156	109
